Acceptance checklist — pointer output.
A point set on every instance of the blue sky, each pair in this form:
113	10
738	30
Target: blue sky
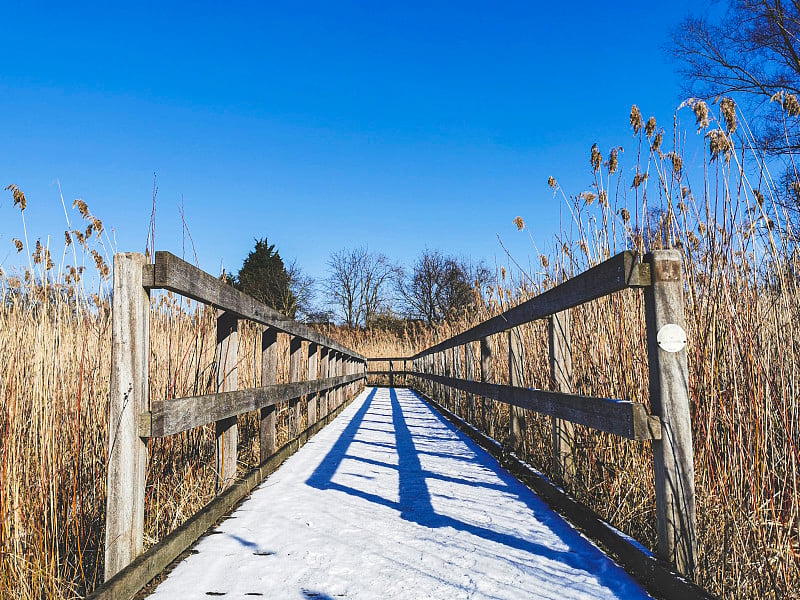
321	125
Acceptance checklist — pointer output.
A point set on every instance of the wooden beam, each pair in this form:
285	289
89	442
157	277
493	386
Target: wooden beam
516	378
267	435
615	274
128	396
296	360
226	429
487	376
172	273
563	435
179	414
313	366
620	417
669	398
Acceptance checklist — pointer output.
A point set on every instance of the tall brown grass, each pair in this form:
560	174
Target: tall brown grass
742	302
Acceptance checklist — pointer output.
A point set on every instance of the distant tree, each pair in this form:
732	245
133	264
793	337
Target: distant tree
358	284
264	277
440	285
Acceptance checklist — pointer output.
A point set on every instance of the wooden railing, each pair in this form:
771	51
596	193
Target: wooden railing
335	374
437	370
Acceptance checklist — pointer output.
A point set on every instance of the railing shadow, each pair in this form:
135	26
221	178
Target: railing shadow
414	498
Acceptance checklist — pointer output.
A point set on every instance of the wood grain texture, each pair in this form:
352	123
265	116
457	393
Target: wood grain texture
168	417
269	376
669	398
563	435
615	274
296	360
313	375
172	273
128	397
227	432
620	417
516	378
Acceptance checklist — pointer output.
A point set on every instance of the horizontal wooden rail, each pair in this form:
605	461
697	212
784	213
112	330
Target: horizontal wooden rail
390	359
613	275
168	417
171	273
401	373
620	417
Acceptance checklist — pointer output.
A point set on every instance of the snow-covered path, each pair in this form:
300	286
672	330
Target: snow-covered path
390	501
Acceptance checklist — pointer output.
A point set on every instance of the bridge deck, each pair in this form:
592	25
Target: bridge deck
390	500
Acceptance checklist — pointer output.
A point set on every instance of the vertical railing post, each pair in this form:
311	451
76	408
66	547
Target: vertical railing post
563	436
226	429
457	407
295	374
487	376
669	399
516	378
323	374
269	376
447	360
128	399
337	392
313	365
469	375
391	374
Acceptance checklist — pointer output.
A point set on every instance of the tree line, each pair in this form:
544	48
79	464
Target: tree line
364	288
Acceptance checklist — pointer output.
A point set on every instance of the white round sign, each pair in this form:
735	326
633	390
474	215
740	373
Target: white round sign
671	338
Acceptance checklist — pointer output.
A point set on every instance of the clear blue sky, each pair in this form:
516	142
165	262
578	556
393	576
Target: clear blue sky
320	125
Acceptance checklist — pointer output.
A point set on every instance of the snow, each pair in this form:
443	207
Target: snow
391	501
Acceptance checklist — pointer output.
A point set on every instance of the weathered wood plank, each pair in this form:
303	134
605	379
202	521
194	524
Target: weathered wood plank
615	274
487	376
669	399
269	376
227	432
179	414
128	395
296	360
313	366
620	417
469	375
323	374
563	435
172	273
516	378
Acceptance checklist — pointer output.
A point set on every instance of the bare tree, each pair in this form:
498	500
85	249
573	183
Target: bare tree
751	51
440	285
358	284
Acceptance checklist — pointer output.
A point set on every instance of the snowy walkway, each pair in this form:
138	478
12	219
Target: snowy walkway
390	501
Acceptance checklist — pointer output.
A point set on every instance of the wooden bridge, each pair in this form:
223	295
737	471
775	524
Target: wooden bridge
396	495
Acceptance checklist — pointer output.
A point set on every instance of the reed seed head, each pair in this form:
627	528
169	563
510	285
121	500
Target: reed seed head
700	109
18	244
551	181
613	163
19	196
519	223
637	122
650	128
596	158
728	107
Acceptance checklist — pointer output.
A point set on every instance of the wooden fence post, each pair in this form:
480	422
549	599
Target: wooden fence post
669	399
561	380
295	374
469	374
516	378
227	381
128	398
391	374
313	365
324	358
487	375
447	363
269	376
457	406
